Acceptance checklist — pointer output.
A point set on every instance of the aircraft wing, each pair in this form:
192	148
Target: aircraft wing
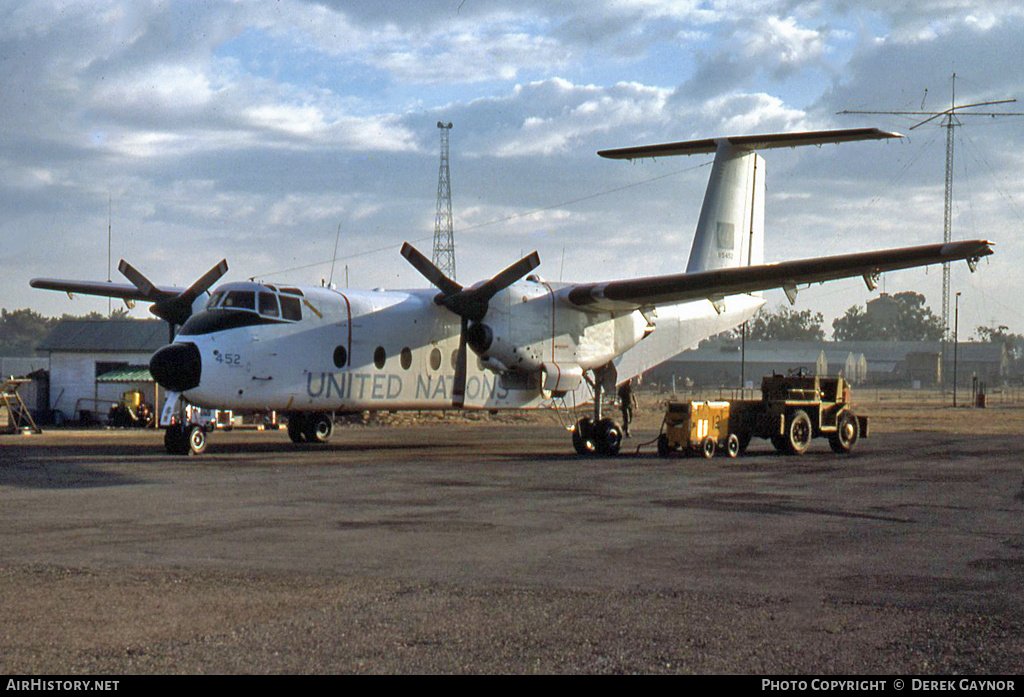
124	291
170	303
713	285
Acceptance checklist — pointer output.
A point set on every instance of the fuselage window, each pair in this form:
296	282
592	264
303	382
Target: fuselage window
268	305
340	357
380	356
240	299
291	308
435	359
406	358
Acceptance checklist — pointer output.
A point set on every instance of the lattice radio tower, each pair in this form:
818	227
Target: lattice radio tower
950	121
444	240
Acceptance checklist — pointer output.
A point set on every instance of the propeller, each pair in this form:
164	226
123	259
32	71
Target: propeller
470	304
175	309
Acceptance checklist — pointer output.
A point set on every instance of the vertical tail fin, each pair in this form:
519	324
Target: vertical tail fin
730	231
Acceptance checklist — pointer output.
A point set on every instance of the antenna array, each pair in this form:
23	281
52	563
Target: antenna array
950	120
444	239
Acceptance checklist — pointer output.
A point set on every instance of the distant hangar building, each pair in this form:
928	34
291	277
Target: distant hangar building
877	363
92	362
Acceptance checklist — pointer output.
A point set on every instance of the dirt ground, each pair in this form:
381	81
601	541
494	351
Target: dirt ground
477	544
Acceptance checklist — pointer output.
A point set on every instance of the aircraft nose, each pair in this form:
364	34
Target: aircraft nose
177	367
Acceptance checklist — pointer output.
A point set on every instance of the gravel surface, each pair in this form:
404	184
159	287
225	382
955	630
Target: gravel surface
443	550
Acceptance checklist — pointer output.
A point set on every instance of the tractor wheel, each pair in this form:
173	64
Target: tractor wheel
847	432
798	432
732	446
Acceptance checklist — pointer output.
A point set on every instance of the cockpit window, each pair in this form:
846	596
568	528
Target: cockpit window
241	299
268	305
214	300
291	308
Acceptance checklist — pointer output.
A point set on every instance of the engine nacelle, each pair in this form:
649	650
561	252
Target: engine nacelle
530	329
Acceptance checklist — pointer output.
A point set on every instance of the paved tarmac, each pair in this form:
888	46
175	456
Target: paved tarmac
454	547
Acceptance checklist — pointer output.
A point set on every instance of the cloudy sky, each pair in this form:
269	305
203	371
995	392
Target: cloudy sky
252	130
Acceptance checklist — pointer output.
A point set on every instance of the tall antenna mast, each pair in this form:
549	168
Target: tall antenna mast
950	121
444	239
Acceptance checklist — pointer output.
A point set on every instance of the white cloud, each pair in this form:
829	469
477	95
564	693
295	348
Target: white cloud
783	44
154	88
754	113
251	129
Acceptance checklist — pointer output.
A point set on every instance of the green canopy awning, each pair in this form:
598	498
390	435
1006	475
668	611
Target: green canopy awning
129	374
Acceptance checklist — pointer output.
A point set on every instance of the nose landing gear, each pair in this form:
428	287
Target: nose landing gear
185	439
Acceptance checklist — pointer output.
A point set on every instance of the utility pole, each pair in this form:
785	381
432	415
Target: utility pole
956	340
950	120
110	208
444	239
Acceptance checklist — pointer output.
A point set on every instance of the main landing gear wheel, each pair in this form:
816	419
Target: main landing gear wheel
319	428
296	428
582	437
310	428
607	437
847	432
602	438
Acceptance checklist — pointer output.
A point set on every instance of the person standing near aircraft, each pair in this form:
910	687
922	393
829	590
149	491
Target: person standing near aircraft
627	402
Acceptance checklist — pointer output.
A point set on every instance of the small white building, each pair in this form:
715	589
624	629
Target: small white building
82	352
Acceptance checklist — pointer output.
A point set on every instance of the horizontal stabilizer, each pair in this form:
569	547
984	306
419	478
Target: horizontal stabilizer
717	283
753	142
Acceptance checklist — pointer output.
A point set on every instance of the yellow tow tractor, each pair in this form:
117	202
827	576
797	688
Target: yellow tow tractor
792	411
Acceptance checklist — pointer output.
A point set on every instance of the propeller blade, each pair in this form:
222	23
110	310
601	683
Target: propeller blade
468	303
433	274
510	275
179	308
204	282
144	285
472	303
459	385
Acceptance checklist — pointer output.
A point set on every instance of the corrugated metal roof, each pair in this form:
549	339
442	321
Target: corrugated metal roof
836	352
108	336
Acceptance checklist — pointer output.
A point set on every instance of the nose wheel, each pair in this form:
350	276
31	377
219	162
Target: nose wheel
188	439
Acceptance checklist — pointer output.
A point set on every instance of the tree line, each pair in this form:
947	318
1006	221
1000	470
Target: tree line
21	331
900	317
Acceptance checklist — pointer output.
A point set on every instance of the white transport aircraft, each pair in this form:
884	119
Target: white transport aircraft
313	352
